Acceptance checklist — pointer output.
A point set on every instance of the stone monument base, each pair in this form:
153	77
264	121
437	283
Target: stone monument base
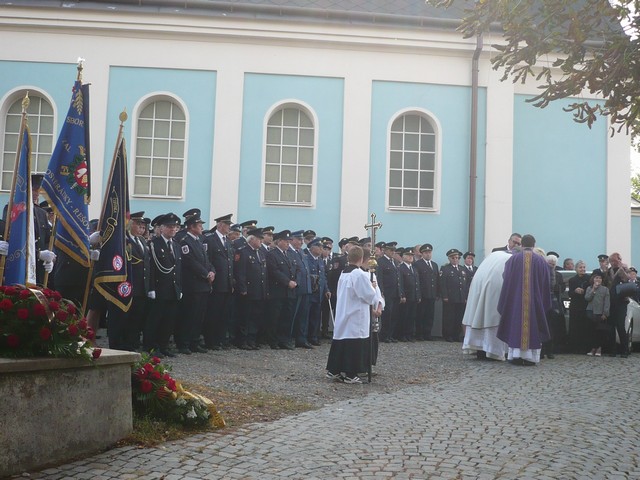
53	410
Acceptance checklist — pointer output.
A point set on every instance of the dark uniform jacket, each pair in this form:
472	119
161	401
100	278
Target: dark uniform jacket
140	265
388	278
470	272
409	282
166	270
318	278
453	283
428	278
336	263
280	270
221	259
195	265
303	278
251	273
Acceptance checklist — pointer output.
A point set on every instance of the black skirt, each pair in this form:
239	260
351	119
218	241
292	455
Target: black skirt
350	356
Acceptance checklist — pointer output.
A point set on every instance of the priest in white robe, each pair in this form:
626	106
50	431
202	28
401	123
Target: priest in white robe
350	349
481	317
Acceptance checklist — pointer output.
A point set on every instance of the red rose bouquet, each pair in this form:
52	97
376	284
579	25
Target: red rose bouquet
157	394
39	322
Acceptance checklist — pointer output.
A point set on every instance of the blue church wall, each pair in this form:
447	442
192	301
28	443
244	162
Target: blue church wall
451	106
559	180
196	90
325	98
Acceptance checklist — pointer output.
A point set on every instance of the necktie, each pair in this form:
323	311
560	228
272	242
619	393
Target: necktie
429	263
170	245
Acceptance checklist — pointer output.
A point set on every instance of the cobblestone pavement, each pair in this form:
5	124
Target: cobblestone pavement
571	418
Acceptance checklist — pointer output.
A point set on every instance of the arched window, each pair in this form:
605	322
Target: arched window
40	117
412	162
160	148
289	156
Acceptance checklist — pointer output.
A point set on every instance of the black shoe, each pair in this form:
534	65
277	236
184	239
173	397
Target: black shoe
527	363
215	348
306	345
198	349
393	340
286	346
274	347
624	355
550	356
184	351
386	340
516	361
315	343
428	339
244	346
168	353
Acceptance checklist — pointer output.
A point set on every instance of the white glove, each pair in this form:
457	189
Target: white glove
48	267
94	239
4	247
152	295
95	255
180	296
47	256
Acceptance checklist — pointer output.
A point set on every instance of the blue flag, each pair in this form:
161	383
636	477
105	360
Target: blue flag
66	181
113	269
20	265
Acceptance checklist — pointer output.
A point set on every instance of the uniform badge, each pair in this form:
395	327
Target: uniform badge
206	246
185	249
117	263
124	289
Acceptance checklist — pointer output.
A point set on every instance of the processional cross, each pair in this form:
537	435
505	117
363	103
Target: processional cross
373	226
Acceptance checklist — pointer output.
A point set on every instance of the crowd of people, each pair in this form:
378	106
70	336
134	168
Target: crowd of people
244	286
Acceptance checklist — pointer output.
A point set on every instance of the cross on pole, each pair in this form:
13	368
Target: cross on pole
373	226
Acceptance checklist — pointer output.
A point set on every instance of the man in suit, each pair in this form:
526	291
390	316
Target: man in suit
410	287
389	283
197	277
219	328
319	291
165	287
251	289
515	240
428	274
454	289
281	272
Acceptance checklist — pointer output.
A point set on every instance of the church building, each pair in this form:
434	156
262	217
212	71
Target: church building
313	114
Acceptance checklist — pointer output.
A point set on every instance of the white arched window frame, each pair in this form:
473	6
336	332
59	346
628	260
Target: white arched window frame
159	149
413	174
42	120
290	150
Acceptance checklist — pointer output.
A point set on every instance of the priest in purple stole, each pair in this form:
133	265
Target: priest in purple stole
524	301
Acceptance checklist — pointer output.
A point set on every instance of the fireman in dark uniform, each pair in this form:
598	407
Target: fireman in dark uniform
251	289
454	289
197	277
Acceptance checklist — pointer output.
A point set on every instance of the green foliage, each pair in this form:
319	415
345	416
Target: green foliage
635	187
575	45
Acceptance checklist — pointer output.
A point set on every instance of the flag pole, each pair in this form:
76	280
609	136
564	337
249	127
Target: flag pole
7	225
123	118
45	281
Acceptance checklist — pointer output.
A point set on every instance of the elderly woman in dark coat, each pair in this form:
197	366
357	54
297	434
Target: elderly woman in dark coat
555	316
580	327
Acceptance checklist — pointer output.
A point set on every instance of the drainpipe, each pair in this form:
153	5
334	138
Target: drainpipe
473	160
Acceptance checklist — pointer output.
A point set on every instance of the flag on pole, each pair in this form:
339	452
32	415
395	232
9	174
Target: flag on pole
66	181
20	263
113	269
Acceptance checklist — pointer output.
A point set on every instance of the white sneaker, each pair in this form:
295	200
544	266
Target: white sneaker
351	380
333	376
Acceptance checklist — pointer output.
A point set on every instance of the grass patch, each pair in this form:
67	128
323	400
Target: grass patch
236	409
